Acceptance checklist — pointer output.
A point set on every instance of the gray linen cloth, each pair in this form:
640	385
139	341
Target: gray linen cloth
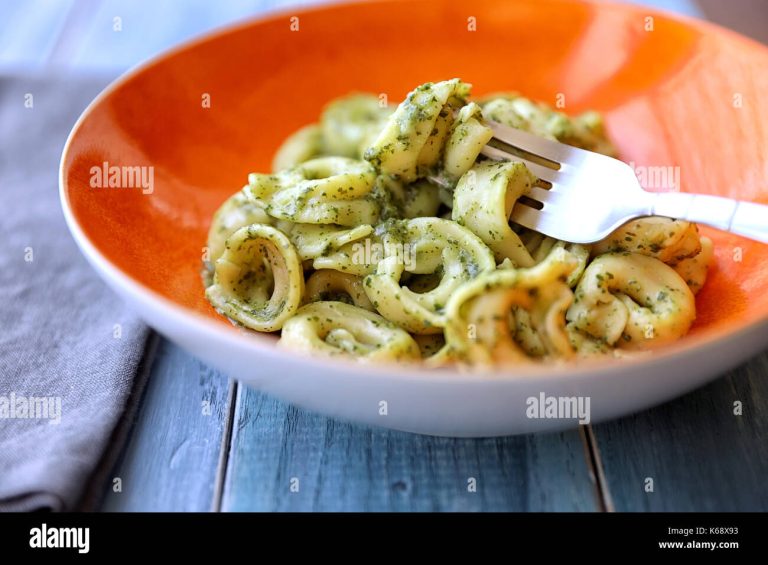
69	348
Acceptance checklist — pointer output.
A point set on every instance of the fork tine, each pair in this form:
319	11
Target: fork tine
551	150
549	223
542	172
527	217
543	195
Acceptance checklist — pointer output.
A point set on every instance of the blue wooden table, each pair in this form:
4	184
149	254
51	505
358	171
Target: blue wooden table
199	441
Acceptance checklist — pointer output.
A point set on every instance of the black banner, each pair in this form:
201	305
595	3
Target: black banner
75	537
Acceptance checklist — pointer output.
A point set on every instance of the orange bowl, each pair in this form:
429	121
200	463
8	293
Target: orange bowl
675	93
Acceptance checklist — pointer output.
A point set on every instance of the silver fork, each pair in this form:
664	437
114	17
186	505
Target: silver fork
589	195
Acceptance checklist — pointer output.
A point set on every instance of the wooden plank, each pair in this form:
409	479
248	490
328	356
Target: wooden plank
171	461
700	455
345	467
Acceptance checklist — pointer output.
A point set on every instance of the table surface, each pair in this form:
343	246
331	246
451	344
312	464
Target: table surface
200	441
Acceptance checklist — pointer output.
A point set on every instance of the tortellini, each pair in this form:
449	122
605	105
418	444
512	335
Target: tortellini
693	270
440	249
467	137
674	242
358	257
668	240
400	200
258	280
384	234
411	143
305	144
319	240
585	131
483	202
236	212
509	316
336	328
347	127
350	124
331	285
326	190
541	247
434	350
633	301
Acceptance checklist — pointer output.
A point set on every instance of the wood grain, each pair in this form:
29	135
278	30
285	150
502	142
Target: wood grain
171	461
699	454
345	467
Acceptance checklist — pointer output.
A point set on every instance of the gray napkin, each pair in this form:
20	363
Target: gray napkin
69	349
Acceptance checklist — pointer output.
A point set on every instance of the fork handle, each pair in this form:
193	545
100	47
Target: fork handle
735	216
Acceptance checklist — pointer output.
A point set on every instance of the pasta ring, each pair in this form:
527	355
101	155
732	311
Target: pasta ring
483	201
434	350
694	270
326	284
320	240
326	190
236	212
633	297
258	280
468	136
484	315
351	123
541	246
665	239
411	143
336	328
434	245
303	145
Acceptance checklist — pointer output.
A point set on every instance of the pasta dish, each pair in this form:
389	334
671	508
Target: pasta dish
382	234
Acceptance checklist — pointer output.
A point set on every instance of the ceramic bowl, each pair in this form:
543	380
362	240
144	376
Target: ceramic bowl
675	92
